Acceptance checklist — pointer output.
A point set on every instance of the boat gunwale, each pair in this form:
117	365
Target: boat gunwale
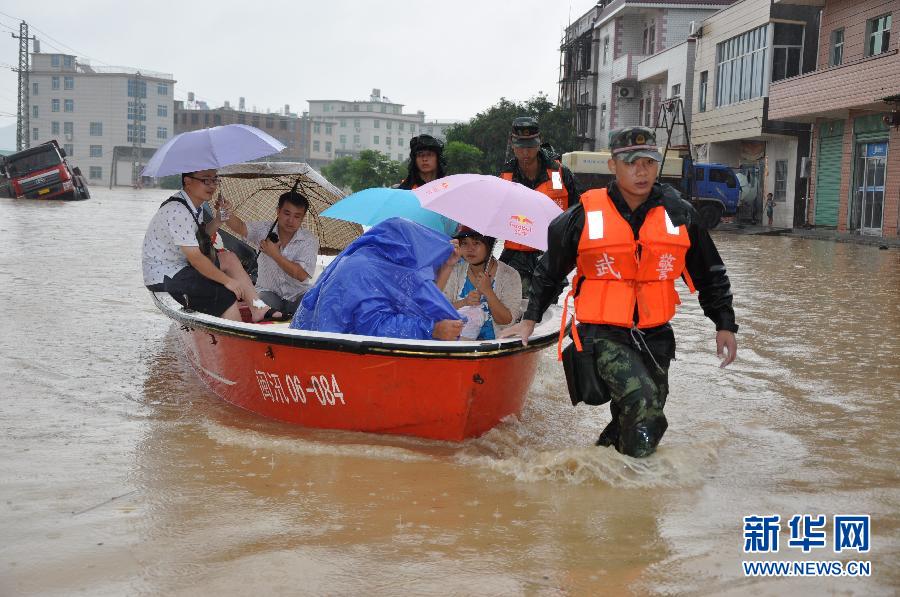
465	349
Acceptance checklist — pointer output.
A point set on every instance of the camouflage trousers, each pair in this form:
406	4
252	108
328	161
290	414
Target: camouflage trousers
637	389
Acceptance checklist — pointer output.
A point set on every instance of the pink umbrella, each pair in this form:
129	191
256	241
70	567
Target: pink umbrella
492	206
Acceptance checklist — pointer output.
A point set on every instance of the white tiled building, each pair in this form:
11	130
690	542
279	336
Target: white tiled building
344	128
90	110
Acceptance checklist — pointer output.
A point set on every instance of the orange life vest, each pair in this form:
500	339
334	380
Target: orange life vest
554	188
612	276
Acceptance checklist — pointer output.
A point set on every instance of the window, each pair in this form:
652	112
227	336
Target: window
162	89
68	61
34	88
376	140
254	121
343	123
69	149
400	126
356	122
606	49
412	128
162	132
195	118
95	172
376	123
96	151
602	116
217	119
96	129
676	90
704	81
162	110
241	118
142	133
400	141
328	146
878	35
646	109
68	82
356	139
740	68
343	139
317	127
54	82
69	128
270	122
140	110
35	134
328	129
34	112
54	105
787	51
54	60
137	88
206	118
837	47
388	125
780	179
68	105
649	39
387	140
315	146
723	176
282	124
54	127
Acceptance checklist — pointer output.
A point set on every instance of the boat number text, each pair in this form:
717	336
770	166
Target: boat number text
296	388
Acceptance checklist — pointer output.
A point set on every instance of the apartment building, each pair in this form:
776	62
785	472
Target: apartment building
600	56
286	126
96	112
740	52
852	101
345	128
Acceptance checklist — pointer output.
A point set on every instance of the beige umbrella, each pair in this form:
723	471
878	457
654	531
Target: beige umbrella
254	189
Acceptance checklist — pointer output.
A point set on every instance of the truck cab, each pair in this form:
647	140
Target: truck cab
41	172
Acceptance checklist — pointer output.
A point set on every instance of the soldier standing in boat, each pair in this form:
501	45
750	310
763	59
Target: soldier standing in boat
536	168
629	242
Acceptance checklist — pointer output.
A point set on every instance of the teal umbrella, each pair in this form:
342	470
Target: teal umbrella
373	206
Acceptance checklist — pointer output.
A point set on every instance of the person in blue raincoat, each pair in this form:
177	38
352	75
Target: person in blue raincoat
383	285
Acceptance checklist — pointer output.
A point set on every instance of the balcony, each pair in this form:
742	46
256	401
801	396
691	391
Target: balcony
831	92
625	68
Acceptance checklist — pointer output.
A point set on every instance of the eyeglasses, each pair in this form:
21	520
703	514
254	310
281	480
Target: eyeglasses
210	182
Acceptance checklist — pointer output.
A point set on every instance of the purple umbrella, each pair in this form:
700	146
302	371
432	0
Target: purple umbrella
492	206
211	149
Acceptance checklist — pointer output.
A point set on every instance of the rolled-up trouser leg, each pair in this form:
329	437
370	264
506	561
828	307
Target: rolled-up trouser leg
638	394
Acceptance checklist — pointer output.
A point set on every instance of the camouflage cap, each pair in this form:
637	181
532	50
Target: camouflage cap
634	142
525	132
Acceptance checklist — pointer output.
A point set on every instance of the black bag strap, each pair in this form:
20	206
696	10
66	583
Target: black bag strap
203	238
180	199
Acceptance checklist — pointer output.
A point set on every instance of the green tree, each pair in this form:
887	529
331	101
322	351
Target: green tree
489	130
463	158
370	169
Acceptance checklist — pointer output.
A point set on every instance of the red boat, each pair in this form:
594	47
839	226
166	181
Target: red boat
425	388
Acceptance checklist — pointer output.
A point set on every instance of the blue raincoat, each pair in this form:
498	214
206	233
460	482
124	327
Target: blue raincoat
382	284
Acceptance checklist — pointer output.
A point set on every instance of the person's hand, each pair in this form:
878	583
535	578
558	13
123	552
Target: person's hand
269	248
454	256
447	329
235	287
473	299
482	282
524	328
726	347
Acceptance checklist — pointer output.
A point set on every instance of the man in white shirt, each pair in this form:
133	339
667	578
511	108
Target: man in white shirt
287	252
178	256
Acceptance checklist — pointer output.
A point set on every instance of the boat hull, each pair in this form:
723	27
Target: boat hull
429	391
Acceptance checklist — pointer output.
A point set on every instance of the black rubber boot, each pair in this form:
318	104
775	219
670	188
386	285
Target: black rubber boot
610	435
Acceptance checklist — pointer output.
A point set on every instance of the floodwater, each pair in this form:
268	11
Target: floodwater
121	473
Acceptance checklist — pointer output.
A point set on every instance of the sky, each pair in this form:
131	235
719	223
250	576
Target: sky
450	59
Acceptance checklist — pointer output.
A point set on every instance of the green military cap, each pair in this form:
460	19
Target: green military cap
525	132
629	144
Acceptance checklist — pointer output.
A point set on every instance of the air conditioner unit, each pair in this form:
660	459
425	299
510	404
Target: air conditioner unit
627	93
805	167
695	29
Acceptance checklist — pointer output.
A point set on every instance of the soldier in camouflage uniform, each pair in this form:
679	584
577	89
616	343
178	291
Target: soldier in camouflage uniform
627	363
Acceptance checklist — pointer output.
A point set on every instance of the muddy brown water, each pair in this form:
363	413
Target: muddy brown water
121	473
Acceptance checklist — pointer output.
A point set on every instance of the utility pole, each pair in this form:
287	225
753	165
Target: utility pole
23	128
139	87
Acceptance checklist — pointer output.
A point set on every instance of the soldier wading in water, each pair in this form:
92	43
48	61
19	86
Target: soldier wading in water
629	242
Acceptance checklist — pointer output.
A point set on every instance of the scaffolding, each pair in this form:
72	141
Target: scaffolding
576	85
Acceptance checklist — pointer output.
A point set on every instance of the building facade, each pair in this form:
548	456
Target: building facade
852	101
286	126
344	128
600	54
740	52
99	114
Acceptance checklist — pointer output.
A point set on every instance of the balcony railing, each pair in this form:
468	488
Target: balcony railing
624	68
